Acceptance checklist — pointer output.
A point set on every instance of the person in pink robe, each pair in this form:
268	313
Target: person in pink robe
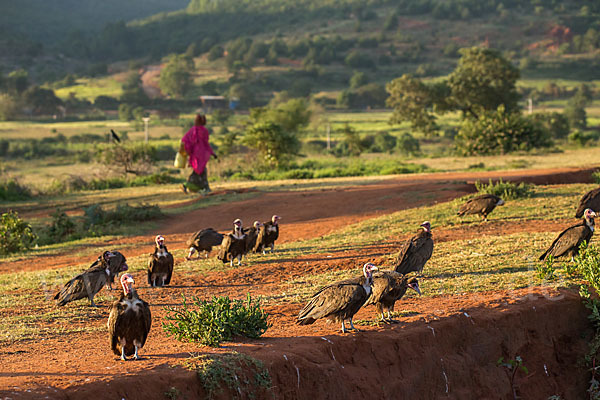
195	144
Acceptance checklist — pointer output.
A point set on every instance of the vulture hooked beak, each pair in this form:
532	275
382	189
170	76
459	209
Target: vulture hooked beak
415	286
127	281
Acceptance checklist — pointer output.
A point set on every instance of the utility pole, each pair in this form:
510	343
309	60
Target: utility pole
328	136
146	120
530	106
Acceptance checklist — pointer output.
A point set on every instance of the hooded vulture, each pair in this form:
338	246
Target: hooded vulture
252	236
233	245
91	281
129	321
203	240
268	235
389	286
569	240
482	205
415	252
589	200
160	264
340	300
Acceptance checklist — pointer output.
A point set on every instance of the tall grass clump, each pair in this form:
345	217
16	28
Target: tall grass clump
216	320
506	190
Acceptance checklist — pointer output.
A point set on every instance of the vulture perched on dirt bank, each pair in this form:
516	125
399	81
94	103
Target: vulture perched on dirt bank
589	200
90	282
570	239
388	287
415	252
339	301
234	244
203	240
482	205
129	321
160	264
268	235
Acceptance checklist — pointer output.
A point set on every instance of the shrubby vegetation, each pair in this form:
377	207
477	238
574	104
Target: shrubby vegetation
15	234
216	320
506	190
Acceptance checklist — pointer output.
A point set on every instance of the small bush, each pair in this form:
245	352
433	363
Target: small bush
12	190
61	229
96	215
506	190
216	320
15	234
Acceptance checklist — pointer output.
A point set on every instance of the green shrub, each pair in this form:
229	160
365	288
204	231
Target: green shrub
12	190
216	320
96	215
408	144
15	234
506	190
61	229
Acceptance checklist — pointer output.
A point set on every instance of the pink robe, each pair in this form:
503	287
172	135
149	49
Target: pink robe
197	147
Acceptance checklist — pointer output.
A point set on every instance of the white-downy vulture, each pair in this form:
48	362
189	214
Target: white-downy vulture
203	240
569	240
389	287
268	235
233	245
589	200
416	251
160	264
482	205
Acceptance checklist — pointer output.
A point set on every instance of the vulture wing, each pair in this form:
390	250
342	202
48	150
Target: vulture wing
414	253
331	300
83	285
569	239
589	200
169	261
114	325
260	240
225	248
381	287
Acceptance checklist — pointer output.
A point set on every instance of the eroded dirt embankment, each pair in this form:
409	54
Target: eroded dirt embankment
452	357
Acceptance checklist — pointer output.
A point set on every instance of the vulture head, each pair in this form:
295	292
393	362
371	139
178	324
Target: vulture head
257	224
426	226
116	261
275	218
159	240
368	269
589	215
237	223
500	202
127	283
413	283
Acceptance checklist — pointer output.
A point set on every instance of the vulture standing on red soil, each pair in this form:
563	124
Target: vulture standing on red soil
160	264
91	281
234	244
388	287
268	235
415	252
252	236
570	239
129	321
482	205
203	240
340	300
589	200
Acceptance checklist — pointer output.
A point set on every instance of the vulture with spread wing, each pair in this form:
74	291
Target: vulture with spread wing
569	240
589	200
340	300
160	264
388	287
233	245
129	321
102	272
415	252
482	205
203	240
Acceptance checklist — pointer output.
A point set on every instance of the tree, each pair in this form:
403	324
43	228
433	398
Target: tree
9	107
275	146
412	101
133	91
176	78
17	81
482	81
358	79
43	101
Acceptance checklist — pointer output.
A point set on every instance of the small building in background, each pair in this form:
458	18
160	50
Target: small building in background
214	102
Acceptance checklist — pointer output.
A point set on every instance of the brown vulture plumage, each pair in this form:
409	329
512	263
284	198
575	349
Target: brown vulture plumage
340	300
129	321
589	200
388	287
233	245
252	236
203	240
415	252
91	281
569	240
160	264
482	205
268	235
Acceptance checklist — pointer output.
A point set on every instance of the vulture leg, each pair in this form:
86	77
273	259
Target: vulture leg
353	327
272	247
123	350
231	262
135	354
264	252
390	320
92	304
206	252
343	327
163	282
239	260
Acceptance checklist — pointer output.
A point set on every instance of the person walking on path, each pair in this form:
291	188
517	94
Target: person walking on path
195	144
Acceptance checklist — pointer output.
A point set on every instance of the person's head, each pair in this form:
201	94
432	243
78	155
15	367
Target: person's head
200	120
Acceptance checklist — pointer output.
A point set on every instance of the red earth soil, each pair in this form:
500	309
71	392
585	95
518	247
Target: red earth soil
446	347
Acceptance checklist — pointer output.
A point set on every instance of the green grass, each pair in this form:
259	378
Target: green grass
90	88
